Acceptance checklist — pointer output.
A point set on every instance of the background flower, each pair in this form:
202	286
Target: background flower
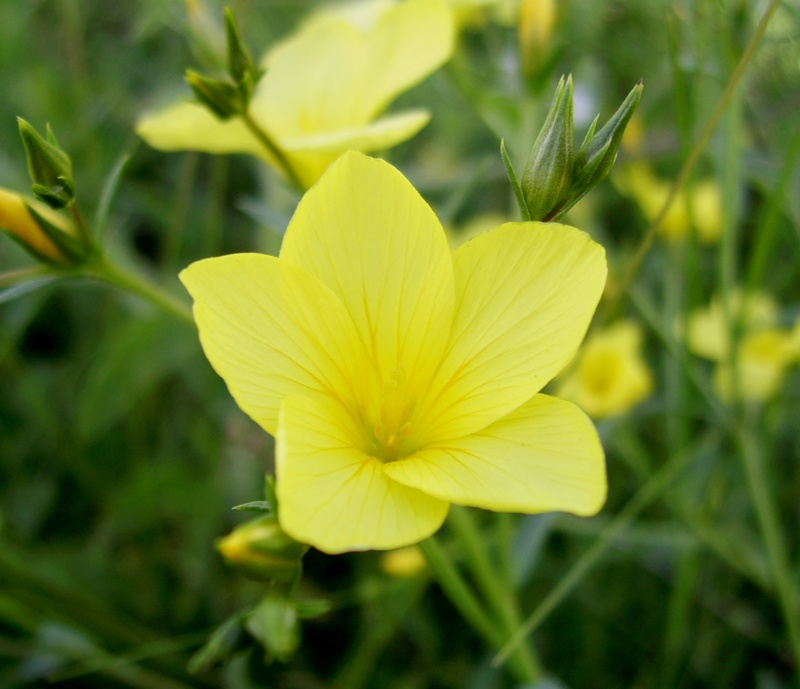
325	87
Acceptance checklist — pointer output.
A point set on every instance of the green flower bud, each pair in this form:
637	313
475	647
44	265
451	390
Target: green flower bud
548	173
223	98
49	166
261	550
241	67
274	622
599	151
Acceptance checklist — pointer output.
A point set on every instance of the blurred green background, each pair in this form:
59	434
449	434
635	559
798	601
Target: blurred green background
121	452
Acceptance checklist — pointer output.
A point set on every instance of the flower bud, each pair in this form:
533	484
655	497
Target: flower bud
223	98
548	173
261	550
241	67
47	236
50	167
598	151
536	21
274	622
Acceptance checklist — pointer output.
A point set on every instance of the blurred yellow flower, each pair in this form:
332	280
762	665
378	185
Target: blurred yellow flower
700	208
398	378
405	562
17	221
763	352
325	87
537	18
609	375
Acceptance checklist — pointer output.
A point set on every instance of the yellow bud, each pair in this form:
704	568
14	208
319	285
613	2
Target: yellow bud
405	562
261	550
17	220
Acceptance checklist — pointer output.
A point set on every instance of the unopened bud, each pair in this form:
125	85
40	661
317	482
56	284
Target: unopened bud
548	173
47	236
223	98
50	167
261	550
241	67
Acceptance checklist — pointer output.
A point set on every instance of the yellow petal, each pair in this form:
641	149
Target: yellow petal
525	293
335	497
351	66
544	456
270	329
17	220
312	154
190	127
383	133
368	235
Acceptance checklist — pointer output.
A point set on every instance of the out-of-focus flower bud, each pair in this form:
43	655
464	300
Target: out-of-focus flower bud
46	235
218	95
404	562
50	167
548	173
241	67
261	550
274	622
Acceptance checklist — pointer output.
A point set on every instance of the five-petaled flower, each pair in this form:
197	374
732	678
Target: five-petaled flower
398	378
325	88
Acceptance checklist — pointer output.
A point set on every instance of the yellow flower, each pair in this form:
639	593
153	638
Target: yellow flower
763	353
609	375
701	207
398	378
324	88
16	219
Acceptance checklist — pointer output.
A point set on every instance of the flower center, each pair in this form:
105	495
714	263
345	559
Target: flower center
391	427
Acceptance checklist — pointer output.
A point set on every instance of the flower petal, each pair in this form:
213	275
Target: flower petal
383	133
525	293
335	497
368	235
351	67
270	330
190	127
544	456
311	155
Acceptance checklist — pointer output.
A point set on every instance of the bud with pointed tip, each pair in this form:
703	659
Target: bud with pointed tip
49	166
218	95
548	173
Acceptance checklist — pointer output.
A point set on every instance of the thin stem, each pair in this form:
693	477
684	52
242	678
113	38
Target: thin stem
274	150
644	246
130	282
458	592
491	584
774	541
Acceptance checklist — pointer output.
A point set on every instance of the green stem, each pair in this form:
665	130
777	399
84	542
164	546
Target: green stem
274	150
130	282
774	542
458	592
491	584
636	260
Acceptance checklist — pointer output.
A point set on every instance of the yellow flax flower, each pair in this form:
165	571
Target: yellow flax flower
17	221
398	378
325	87
763	352
701	207
609	375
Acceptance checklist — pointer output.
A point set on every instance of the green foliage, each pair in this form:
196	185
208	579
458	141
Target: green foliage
121	452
